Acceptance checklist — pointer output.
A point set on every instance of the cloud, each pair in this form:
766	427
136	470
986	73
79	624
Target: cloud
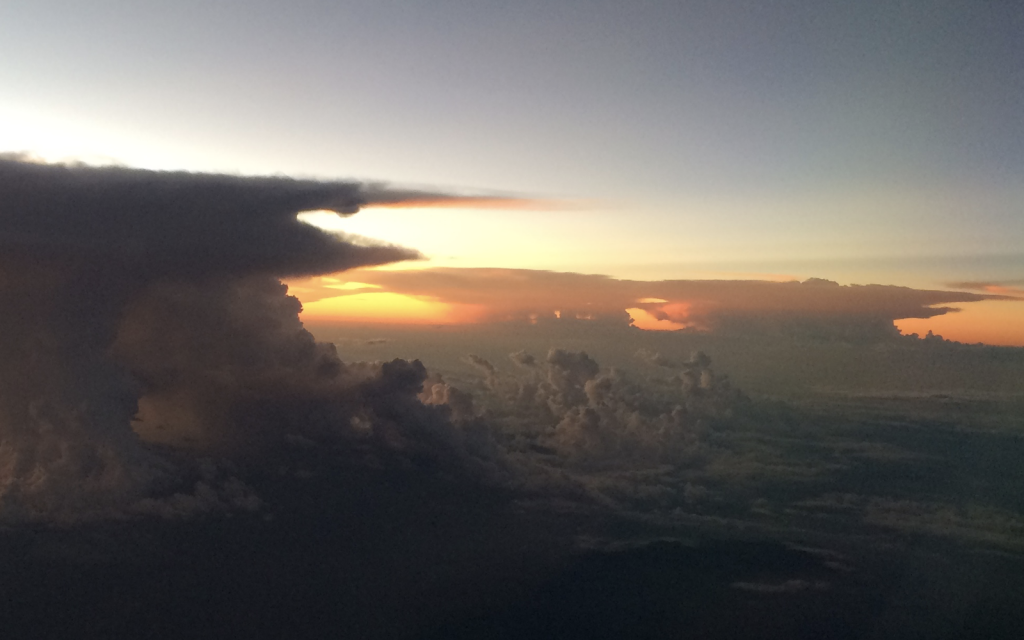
176	224
1006	288
795	585
154	295
480	364
968	521
522	359
139	375
519	295
565	426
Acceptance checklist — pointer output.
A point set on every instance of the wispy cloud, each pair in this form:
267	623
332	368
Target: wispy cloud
1009	288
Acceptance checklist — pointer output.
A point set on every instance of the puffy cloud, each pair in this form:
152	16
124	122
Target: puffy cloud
522	359
128	292
483	366
208	354
566	426
657	359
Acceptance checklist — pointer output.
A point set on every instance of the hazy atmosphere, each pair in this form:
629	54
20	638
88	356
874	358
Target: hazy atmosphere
546	319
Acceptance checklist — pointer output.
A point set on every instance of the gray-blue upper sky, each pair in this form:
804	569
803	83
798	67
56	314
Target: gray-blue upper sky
816	127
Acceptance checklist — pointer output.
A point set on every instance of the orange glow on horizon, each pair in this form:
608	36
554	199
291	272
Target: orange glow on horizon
1003	290
453	296
645	320
676	311
389	308
995	322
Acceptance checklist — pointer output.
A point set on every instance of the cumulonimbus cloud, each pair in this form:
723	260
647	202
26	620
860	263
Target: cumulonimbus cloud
174	224
120	285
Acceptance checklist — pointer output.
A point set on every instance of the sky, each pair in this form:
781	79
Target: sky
872	142
476	319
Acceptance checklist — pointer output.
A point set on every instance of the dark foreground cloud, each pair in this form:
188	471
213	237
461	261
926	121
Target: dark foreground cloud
118	285
151	359
175	224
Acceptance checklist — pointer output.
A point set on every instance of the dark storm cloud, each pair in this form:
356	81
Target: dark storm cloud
185	224
129	294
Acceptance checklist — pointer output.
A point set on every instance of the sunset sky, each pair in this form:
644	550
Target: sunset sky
462	319
869	142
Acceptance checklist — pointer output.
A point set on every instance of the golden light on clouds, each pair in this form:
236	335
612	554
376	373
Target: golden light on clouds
996	322
389	308
470	232
643	319
1003	290
676	311
458	296
326	287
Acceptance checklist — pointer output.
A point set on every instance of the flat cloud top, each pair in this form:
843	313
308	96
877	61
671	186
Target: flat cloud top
509	294
177	223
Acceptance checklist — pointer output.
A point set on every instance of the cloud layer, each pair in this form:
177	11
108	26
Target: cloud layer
526	295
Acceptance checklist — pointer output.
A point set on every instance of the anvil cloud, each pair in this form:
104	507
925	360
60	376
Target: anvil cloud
119	284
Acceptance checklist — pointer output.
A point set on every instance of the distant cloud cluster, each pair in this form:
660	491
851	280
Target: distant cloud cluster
563	423
518	295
